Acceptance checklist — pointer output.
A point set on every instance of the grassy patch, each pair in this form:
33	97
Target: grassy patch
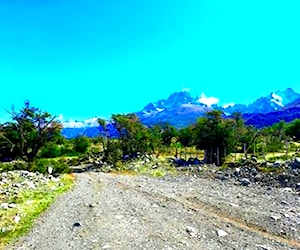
268	170
29	205
156	168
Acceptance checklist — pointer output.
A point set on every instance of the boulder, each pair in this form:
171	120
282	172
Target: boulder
277	164
237	171
245	182
181	162
296	163
254	159
194	161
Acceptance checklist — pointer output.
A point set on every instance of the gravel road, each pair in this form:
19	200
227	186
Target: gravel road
109	211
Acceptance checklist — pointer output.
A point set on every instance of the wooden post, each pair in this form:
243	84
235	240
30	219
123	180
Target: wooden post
211	155
235	155
287	149
218	157
225	153
245	150
263	151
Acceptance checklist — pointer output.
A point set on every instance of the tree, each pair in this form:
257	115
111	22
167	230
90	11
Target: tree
30	130
293	129
81	144
104	134
274	136
213	134
185	136
133	135
167	133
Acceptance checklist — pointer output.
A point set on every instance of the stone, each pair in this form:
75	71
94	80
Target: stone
77	224
296	163
284	203
264	247
275	217
50	170
223	177
119	216
29	184
237	171
17	218
154	166
245	182
17	185
106	246
92	205
254	171
253	159
4	206
221	233
277	164
191	231
233	204
12	205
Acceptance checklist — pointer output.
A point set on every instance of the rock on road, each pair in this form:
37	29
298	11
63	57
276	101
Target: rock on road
110	211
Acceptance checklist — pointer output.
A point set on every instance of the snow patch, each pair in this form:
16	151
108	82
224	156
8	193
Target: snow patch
277	99
227	105
159	110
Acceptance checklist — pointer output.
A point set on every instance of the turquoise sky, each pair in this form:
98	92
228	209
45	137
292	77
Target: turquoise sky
94	58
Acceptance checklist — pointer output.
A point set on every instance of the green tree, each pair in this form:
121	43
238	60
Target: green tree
213	133
293	129
81	144
30	130
133	135
274	136
104	134
186	136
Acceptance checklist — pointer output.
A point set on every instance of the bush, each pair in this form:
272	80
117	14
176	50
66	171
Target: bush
81	144
50	151
42	165
4	167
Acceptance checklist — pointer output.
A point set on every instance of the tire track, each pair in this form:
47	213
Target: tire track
213	212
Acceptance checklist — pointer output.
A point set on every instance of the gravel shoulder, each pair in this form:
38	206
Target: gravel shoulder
110	211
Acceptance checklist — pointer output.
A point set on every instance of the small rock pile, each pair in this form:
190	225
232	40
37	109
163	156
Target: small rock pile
277	174
12	182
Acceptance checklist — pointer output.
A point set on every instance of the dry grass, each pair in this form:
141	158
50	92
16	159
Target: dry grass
29	205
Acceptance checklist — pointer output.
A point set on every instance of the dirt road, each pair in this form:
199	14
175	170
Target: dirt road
108	211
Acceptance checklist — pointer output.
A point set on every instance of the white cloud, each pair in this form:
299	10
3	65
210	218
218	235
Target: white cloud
208	101
60	118
228	105
186	90
72	124
91	122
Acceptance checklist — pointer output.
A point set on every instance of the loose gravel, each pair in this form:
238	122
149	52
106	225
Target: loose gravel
110	211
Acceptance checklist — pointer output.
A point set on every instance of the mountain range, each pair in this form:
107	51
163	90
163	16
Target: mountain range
180	109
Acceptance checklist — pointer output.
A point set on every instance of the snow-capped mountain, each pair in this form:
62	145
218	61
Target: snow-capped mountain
180	109
273	102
